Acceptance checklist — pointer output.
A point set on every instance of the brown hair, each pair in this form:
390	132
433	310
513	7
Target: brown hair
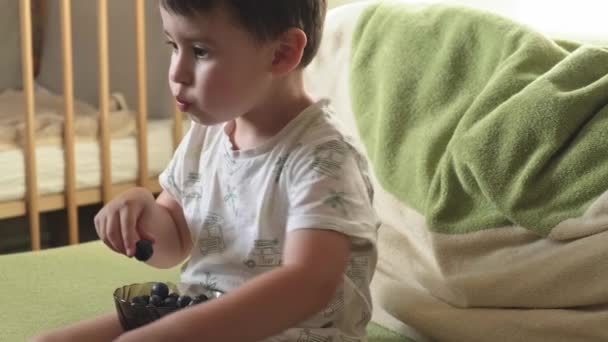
266	19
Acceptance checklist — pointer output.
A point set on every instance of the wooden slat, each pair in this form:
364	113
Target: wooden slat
13	209
68	117
104	94
58	201
142	135
30	143
177	127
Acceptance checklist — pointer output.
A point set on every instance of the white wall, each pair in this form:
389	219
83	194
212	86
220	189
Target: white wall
584	20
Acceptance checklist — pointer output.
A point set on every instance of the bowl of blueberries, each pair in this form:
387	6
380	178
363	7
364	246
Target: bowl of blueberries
143	303
140	304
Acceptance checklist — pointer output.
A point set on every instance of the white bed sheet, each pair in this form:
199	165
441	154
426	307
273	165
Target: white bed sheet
50	162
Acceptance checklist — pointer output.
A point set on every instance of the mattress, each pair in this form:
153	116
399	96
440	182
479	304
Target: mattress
50	162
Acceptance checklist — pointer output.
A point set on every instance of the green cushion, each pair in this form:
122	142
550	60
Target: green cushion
54	287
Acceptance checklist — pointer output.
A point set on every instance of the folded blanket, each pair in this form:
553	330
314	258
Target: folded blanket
483	122
488	142
49	118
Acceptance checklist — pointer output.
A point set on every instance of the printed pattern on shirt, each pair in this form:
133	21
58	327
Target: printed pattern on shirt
211	237
279	166
231	199
329	157
307	335
337	201
209	283
265	253
357	269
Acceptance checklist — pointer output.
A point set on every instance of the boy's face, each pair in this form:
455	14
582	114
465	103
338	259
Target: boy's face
218	71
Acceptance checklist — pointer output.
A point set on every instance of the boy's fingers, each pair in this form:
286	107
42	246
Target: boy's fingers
97	224
102	227
142	226
113	233
128	217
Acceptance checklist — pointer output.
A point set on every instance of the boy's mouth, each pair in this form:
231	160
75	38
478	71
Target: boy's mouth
182	105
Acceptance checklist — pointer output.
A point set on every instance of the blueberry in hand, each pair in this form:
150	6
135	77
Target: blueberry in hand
143	250
160	289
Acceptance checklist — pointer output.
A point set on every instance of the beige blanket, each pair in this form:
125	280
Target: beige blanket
49	119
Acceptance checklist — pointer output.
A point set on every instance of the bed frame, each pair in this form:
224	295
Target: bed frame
70	199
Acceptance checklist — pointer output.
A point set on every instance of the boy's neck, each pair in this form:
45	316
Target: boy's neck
283	103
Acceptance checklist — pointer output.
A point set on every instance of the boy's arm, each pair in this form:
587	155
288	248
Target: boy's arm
314	262
164	220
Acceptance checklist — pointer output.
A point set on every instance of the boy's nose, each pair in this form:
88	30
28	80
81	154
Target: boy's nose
180	72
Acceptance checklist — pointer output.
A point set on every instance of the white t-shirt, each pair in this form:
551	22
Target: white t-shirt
240	204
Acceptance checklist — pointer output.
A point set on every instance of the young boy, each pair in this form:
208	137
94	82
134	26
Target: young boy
265	195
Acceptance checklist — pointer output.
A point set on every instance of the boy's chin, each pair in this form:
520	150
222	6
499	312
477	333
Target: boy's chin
202	119
195	118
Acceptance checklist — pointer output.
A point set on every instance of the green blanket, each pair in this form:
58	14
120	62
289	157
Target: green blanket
43	290
478	122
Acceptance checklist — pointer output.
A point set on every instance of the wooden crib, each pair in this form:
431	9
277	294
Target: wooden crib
71	198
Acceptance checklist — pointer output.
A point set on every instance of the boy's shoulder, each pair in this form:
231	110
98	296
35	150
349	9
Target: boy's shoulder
319	124
323	137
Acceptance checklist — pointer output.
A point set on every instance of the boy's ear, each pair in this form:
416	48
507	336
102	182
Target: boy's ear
289	51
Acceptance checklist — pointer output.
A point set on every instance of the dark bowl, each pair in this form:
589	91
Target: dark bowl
135	315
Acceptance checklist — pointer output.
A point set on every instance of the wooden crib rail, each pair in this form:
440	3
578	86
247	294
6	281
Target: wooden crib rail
142	95
71	198
104	95
30	143
68	128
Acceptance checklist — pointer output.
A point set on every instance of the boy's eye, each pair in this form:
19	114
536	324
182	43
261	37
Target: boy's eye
200	52
172	44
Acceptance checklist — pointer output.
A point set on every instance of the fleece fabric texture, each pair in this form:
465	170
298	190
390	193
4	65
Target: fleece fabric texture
477	121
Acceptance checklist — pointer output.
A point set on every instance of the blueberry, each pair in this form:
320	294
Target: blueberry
198	299
155	300
174	295
183	301
160	289
143	250
170	302
146	299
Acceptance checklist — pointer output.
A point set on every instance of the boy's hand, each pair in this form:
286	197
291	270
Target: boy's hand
117	222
